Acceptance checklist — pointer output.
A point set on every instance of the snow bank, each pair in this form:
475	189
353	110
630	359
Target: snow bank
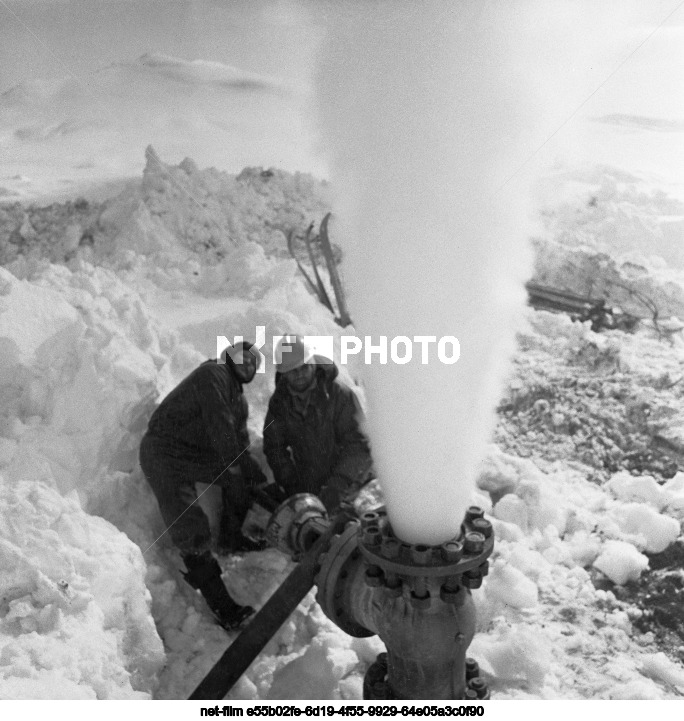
74	610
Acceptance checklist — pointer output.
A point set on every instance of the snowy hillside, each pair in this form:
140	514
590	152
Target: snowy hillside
81	135
104	306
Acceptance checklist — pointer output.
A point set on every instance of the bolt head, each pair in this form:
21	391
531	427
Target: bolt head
483	526
420	554
390	548
472	582
474	542
452	596
420	603
452	551
374	576
474	512
372	535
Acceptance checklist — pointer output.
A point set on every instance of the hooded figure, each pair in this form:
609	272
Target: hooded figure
198	434
312	438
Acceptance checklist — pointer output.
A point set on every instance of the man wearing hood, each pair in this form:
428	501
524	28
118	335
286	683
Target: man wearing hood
312	438
198	434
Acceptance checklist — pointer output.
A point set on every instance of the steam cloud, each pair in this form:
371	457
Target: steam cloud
426	108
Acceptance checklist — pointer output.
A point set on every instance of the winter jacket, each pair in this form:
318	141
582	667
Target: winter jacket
323	447
202	424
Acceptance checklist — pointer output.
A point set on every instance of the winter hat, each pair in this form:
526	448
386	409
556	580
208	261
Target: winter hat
293	353
244	345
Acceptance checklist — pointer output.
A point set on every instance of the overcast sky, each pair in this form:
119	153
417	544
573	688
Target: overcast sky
52	38
631	71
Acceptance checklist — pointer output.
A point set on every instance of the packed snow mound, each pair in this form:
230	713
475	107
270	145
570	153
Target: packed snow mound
76	374
610	234
74	610
174	223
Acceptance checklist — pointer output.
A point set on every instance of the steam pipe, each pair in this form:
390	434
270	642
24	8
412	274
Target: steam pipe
415	597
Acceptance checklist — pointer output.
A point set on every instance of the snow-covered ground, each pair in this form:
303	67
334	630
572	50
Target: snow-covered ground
92	604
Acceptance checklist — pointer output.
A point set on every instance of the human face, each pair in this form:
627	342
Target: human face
245	365
299	379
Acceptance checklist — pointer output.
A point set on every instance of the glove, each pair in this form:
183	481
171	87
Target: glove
330	497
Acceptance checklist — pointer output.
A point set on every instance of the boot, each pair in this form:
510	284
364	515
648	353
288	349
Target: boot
204	574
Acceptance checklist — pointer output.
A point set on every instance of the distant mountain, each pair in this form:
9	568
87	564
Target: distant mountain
57	137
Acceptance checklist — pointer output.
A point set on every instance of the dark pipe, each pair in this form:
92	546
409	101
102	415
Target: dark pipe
249	644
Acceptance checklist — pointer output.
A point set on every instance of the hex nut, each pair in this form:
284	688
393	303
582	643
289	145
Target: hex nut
372	535
452	551
420	602
453	596
471	581
390	548
472	668
474	512
483	526
420	554
474	542
374	576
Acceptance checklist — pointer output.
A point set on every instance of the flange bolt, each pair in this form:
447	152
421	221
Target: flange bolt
474	512
452	551
420	554
390	548
474	542
483	526
374	576
472	668
371	536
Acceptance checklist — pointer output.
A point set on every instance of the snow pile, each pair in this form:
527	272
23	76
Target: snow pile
179	226
74	609
78	374
608	233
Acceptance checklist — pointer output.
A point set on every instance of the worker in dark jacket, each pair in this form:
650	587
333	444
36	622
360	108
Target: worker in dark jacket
312	438
198	434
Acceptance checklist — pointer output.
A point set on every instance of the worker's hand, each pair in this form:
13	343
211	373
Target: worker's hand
330	497
276	492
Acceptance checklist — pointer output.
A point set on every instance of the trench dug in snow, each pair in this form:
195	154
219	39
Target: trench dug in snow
92	604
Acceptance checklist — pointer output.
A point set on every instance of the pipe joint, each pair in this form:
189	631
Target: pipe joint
416	597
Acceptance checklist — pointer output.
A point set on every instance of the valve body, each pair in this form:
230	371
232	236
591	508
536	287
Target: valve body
415	597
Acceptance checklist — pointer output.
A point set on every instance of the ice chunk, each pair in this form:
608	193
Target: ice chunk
644	489
509	586
530	562
659	667
656	530
514	655
316	673
621	562
512	510
504	531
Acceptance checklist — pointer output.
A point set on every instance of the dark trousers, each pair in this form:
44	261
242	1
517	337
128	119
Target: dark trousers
173	479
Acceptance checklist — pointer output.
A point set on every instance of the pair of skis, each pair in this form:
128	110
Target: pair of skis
317	287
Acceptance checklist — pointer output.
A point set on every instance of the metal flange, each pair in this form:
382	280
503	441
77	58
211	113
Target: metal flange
341	559
467	552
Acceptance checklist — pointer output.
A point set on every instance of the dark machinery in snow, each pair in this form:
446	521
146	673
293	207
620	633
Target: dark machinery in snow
415	597
579	307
